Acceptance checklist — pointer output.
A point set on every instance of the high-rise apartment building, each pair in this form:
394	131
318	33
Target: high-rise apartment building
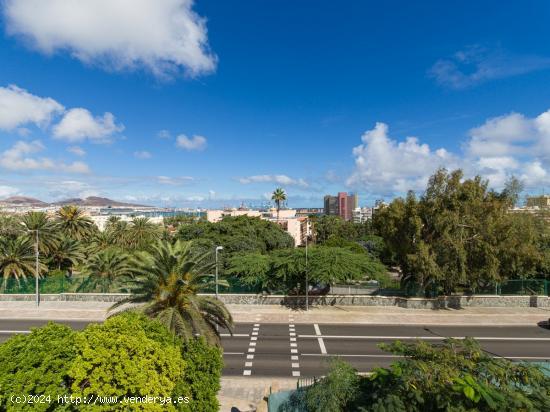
341	205
331	205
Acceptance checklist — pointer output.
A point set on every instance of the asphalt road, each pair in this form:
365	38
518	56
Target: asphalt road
286	350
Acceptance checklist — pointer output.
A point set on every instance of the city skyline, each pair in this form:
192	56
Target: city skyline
221	105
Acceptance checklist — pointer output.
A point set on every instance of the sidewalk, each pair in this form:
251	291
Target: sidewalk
389	315
245	394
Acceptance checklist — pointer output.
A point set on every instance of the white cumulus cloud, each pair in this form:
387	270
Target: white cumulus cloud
76	150
194	143
79	124
501	147
20	157
165	37
142	154
19	107
385	166
278	179
174	181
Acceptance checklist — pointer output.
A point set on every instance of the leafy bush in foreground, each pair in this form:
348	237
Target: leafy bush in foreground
118	358
36	364
453	376
129	355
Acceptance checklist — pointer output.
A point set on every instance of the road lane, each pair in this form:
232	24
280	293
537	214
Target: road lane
357	344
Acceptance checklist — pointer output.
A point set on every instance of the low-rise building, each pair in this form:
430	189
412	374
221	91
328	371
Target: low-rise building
361	215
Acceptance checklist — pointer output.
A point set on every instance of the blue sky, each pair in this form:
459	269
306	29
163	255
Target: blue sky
212	103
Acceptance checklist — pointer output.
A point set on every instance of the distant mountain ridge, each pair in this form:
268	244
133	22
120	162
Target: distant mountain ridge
89	201
23	200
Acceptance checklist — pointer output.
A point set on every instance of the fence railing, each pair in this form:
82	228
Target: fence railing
60	283
539	287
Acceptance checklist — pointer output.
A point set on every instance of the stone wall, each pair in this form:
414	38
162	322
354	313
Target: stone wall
454	302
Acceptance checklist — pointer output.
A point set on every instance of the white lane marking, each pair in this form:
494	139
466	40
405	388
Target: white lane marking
233	353
507	339
351	356
235	335
251	348
293	348
320	339
15	331
399	356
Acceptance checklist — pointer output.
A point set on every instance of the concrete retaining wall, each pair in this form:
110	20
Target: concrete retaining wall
454	302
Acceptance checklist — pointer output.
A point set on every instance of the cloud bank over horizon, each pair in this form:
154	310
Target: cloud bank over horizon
501	147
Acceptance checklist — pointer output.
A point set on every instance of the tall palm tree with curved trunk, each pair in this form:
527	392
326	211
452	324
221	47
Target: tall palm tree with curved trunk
279	196
73	223
48	237
105	271
167	280
17	259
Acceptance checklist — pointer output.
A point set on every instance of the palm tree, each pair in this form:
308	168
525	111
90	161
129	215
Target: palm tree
100	241
142	232
17	259
105	269
66	253
47	238
73	223
117	230
167	280
10	226
278	197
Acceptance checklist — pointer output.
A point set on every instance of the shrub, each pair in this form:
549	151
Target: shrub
127	356
335	391
201	380
37	364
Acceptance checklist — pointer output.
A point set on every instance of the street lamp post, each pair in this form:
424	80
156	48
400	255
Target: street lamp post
218	248
307	277
36	266
37	284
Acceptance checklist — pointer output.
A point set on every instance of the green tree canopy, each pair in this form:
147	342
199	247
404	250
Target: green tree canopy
285	269
459	233
238	234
